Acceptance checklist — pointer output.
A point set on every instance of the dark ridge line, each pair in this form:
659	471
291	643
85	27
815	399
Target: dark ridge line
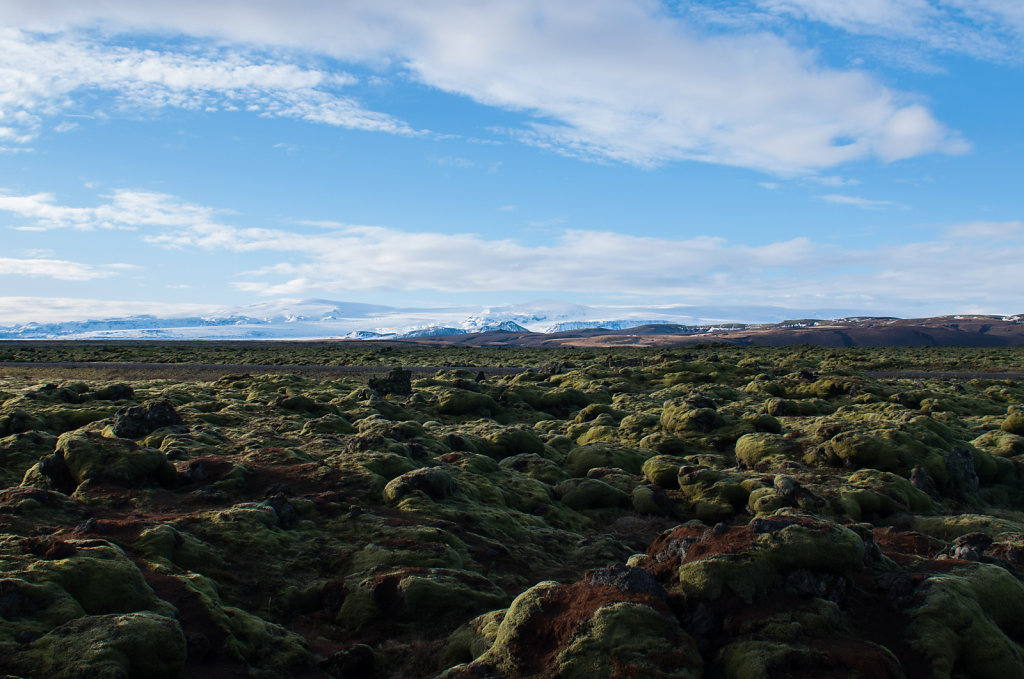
257	367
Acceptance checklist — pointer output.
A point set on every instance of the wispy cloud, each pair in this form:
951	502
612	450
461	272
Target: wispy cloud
454	161
863	203
613	80
977	264
996	231
125	210
41	76
831	180
55	268
984	29
56	309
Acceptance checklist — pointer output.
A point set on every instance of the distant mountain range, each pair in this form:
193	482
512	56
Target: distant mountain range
539	323
323	319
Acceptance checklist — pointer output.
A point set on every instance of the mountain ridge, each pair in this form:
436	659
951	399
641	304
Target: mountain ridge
537	323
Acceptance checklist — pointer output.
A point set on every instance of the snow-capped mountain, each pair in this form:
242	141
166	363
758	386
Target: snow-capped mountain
320	318
567	326
536	316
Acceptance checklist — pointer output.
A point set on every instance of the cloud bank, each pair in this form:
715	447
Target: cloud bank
966	267
614	80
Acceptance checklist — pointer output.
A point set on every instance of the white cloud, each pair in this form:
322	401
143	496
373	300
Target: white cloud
54	268
125	210
969	264
606	79
43	75
997	231
15	310
546	223
894	16
985	29
831	180
454	161
863	203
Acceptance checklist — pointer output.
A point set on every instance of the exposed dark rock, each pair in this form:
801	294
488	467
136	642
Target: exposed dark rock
397	382
628	579
137	421
356	662
919	479
970	547
286	514
963	479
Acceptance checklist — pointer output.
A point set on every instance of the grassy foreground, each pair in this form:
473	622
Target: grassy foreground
710	511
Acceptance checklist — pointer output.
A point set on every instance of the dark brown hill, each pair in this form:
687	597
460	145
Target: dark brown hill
942	331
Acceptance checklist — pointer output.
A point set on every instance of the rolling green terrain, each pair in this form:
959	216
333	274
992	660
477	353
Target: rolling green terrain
708	511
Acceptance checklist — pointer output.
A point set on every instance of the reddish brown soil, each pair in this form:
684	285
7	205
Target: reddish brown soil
564	609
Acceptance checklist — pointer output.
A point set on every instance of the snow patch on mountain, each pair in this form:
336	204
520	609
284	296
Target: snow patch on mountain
568	326
328	319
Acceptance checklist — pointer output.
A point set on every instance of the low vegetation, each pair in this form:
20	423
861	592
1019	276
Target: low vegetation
708	511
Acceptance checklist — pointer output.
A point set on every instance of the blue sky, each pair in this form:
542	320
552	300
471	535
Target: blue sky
812	154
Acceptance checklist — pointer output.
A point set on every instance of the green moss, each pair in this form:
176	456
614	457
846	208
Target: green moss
765	501
328	424
969	623
405	553
665	444
449	593
563	400
514	631
1000	443
1014	424
386	465
435	482
87	456
598	434
814	544
461	402
595	410
681	418
662	470
425	596
536	467
586	457
821	546
101	578
745	576
513	441
711	488
590	494
753	448
472	638
646	500
249	638
951	527
763	423
877	494
629	640
135	645
864	450
33	607
171	545
297	403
